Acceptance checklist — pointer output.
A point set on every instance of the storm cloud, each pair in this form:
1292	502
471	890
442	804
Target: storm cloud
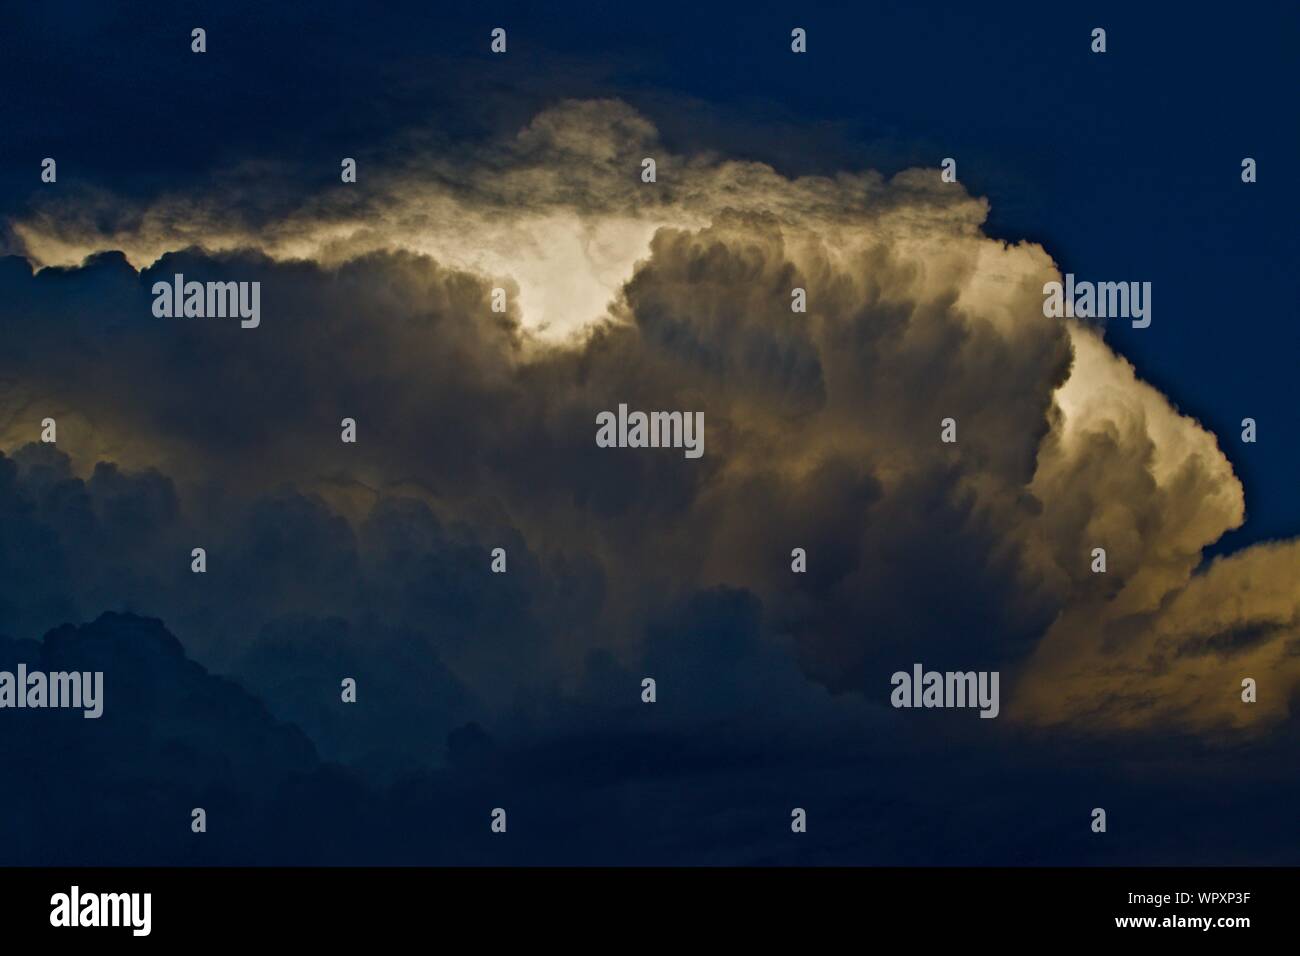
476	431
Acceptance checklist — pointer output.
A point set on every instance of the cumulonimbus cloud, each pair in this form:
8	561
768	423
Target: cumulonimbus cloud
823	428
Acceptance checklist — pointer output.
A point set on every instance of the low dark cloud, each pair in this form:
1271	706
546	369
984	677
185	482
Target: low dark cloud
643	789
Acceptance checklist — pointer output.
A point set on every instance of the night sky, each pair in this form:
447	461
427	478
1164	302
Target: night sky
523	690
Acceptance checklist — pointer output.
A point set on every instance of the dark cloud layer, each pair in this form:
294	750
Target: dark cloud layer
173	737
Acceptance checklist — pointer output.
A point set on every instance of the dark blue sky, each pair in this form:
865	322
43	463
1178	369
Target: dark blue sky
1124	166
